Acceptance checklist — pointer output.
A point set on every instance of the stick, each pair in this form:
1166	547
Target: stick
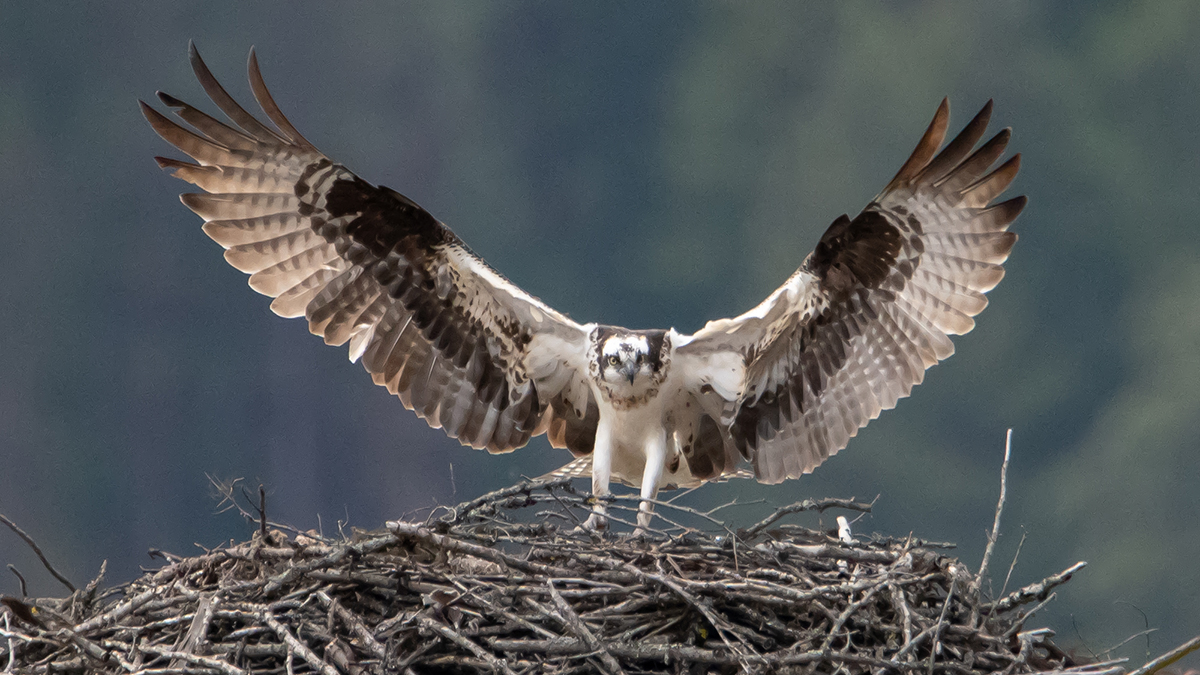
338	554
1038	591
24	590
450	544
444	631
645	651
120	611
355	624
38	551
1013	565
577	625
1169	658
991	544
262	513
207	662
12	650
845	615
1020	623
1129	639
458	512
937	629
698	606
819	505
295	645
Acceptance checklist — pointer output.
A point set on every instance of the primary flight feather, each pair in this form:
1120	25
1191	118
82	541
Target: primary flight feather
783	386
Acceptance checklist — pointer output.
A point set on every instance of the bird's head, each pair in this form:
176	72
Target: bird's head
630	362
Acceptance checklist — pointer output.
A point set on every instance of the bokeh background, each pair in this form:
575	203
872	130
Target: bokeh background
644	164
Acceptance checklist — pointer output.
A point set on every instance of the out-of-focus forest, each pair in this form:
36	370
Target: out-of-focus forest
644	164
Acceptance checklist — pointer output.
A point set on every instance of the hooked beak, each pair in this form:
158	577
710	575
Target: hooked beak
630	371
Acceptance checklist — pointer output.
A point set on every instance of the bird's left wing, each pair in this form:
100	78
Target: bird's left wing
465	348
870	309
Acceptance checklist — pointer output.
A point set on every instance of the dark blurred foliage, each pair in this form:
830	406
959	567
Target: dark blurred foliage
646	164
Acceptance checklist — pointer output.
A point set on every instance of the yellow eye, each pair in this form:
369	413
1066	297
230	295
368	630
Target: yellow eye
613	360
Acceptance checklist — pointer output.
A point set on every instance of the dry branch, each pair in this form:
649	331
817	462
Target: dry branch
501	584
37	550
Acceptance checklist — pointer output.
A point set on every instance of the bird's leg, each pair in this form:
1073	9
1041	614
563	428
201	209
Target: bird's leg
656	464
601	473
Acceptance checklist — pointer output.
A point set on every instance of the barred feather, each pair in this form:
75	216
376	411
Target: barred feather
855	328
366	265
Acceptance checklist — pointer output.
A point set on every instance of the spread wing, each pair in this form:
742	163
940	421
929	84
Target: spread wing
458	343
867	312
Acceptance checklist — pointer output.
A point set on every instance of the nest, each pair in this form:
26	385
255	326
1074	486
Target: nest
503	584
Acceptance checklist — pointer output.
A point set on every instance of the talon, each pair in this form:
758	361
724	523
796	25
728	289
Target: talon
594	523
645	516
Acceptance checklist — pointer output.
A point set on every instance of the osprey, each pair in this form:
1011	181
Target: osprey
783	386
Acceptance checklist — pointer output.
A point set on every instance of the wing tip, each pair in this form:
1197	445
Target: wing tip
152	116
194	201
926	148
194	54
258	87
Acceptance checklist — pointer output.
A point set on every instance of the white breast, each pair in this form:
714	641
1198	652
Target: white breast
633	428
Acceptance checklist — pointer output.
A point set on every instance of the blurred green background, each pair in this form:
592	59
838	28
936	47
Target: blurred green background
644	164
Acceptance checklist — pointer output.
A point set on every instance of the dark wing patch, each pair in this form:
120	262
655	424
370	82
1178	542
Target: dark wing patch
856	254
368	266
873	306
569	430
705	450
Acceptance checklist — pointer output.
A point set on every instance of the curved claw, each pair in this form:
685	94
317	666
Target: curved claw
595	523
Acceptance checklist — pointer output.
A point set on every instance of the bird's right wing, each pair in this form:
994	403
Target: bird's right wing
461	345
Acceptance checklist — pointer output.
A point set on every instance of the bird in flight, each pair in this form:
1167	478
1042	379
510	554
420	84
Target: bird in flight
781	387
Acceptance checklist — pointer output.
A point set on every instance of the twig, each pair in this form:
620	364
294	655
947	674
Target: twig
819	505
466	507
197	633
262	513
1100	668
900	600
1145	620
338	554
92	649
228	500
484	603
121	611
355	624
995	534
1038	591
1129	639
20	579
659	652
705	515
89	591
937	628
37	551
1169	658
444	631
1013	565
698	606
1020	622
580	629
12	650
188	657
846	613
450	544
296	646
